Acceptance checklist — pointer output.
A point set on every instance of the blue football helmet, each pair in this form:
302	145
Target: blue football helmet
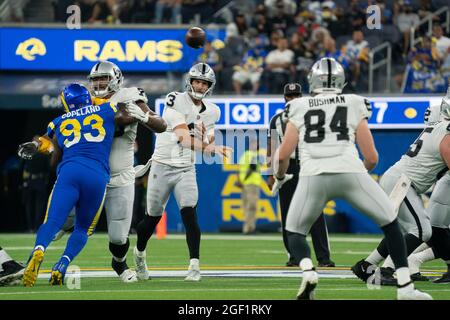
75	96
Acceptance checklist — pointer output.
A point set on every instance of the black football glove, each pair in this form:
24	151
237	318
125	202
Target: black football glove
27	150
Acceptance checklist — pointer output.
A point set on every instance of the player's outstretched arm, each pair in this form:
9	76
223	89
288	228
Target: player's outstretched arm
140	111
187	141
41	144
280	160
366	145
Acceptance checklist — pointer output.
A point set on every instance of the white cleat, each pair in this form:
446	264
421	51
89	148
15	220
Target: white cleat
128	276
409	293
309	283
193	271
140	264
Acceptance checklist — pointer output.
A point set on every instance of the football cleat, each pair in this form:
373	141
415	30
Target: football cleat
128	276
387	277
327	264
409	293
292	263
362	270
59	271
418	277
140	264
444	279
12	272
309	283
193	272
32	270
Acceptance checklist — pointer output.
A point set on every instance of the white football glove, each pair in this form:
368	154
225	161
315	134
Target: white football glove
27	150
136	112
279	183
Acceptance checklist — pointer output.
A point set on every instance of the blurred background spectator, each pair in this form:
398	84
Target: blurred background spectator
278	66
310	29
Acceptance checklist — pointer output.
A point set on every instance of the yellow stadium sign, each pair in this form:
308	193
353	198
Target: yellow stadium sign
166	51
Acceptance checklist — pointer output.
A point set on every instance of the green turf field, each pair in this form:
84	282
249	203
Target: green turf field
241	258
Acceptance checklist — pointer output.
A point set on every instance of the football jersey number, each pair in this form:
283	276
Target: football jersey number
171	100
417	145
338	124
94	121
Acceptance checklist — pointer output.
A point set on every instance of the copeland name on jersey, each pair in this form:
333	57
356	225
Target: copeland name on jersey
327	124
423	163
179	109
80	132
121	160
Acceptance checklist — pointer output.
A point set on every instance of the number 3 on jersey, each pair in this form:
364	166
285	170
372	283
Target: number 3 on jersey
315	132
71	127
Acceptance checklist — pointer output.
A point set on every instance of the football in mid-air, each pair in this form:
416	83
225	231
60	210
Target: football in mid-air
195	37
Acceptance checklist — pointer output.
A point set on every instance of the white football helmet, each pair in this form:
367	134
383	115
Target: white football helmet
200	71
326	76
115	78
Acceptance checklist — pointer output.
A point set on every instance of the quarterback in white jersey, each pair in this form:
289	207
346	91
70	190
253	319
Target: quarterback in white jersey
106	82
190	127
424	163
327	125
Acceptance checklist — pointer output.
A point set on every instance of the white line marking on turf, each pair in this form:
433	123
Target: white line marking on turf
195	290
371	239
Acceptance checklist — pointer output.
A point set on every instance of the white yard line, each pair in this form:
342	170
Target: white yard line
371	239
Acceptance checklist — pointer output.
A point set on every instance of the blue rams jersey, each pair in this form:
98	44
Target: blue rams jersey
85	134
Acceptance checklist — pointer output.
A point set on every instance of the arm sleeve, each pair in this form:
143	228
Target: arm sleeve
51	129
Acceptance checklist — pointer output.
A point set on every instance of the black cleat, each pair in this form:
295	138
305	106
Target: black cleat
327	264
292	263
12	271
387	277
419	277
362	270
444	279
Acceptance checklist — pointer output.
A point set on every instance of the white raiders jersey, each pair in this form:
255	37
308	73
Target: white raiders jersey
423	163
327	124
432	115
121	159
178	109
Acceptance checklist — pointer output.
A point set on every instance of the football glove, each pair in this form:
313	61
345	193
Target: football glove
27	150
279	183
136	112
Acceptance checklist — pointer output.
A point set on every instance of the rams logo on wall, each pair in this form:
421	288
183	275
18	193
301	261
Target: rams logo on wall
30	48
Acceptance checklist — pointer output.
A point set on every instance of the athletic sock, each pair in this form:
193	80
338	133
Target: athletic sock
375	257
119	251
299	246
193	234
403	276
145	229
76	243
396	244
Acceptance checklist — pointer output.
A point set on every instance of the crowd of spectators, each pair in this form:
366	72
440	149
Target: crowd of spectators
271	42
